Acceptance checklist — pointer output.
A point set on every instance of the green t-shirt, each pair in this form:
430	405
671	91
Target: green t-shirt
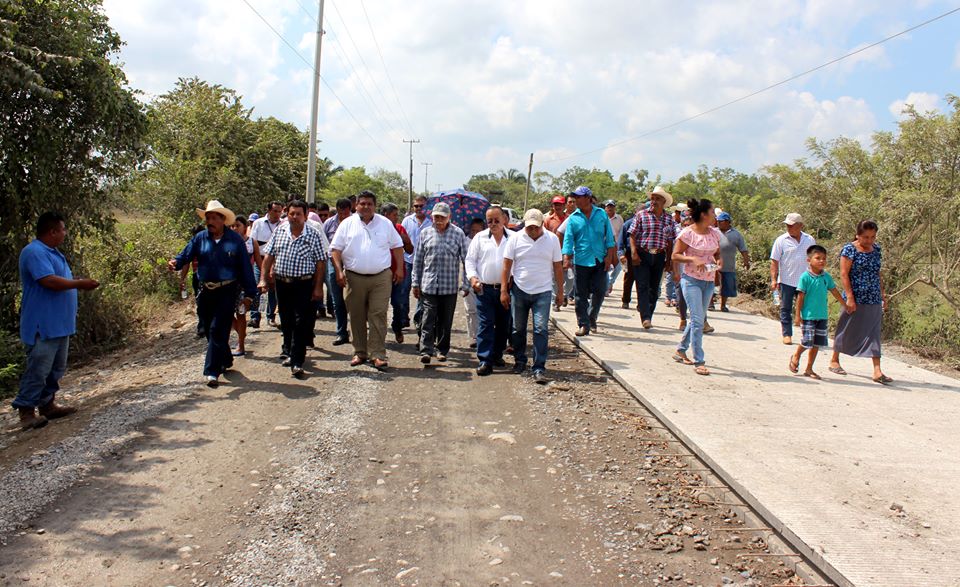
815	289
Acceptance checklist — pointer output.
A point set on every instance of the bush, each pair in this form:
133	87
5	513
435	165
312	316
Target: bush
11	363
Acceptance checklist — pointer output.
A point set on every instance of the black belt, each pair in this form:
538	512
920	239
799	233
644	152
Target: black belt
493	285
216	284
294	279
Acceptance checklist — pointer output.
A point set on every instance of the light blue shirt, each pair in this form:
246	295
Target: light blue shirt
43	311
413	229
588	239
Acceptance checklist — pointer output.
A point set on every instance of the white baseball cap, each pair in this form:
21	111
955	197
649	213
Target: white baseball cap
793	218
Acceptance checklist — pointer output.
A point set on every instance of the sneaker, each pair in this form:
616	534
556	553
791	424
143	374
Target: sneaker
625	305
540	377
518	368
442	358
212	381
647	325
593	325
297	371
398	335
287	362
273	322
484	369
341	340
583	331
499	363
425	359
707	329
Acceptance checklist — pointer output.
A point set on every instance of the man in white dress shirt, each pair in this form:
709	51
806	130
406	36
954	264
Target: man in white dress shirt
361	249
484	266
788	261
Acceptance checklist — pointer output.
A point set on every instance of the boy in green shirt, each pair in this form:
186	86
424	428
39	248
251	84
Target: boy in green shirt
812	309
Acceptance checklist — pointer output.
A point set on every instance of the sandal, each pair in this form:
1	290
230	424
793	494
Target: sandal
682	358
701	370
837	370
812	375
238	353
794	364
357	361
380	364
883	380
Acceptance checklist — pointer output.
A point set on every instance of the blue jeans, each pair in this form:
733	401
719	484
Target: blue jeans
613	274
671	286
696	293
46	364
493	323
521	304
271	299
591	287
400	300
339	306
787	293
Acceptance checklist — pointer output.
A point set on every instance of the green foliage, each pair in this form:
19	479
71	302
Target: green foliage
11	363
350	182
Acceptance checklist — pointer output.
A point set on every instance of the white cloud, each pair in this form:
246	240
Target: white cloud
923	102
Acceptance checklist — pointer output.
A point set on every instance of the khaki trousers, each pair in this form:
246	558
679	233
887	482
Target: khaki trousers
367	298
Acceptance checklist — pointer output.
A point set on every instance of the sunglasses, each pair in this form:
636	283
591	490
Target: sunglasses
418	206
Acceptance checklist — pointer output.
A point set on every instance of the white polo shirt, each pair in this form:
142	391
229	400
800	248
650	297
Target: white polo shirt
263	229
792	256
533	260
485	257
366	246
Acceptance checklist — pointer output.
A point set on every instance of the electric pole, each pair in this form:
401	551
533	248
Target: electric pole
314	111
410	186
527	193
426	169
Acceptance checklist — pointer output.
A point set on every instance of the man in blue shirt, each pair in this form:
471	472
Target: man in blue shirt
223	267
48	317
589	247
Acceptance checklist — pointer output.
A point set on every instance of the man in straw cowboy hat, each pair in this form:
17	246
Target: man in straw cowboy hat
651	244
223	267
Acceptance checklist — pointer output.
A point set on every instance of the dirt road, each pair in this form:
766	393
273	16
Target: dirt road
418	476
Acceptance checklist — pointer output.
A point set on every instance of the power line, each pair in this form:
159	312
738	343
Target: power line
376	43
756	92
325	83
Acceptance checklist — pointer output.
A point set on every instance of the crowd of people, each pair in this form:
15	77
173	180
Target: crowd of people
299	262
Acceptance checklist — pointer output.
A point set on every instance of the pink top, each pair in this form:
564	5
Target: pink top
701	247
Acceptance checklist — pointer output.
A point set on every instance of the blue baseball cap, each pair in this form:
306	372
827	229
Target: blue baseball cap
724	216
253	217
582	191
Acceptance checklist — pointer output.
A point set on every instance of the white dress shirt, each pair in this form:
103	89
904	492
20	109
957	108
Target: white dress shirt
262	229
366	247
533	260
485	257
413	228
792	256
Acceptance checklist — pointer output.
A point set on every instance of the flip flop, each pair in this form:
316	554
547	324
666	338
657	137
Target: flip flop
883	380
357	361
701	370
681	359
238	353
794	365
380	365
837	370
812	375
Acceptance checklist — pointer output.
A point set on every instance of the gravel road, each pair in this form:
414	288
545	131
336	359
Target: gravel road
420	476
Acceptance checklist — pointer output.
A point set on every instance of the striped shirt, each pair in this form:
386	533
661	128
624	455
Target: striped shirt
437	260
296	257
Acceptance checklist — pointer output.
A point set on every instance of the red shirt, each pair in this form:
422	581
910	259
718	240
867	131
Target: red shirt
403	232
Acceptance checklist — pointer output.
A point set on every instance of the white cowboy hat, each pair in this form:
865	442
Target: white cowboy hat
216	206
681	207
659	191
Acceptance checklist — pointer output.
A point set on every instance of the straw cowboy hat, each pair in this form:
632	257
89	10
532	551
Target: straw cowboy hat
659	191
216	206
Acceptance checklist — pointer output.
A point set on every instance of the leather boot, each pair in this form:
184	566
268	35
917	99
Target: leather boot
29	419
52	411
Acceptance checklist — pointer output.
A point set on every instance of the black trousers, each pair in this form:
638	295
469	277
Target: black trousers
297	316
216	308
627	283
438	313
647	276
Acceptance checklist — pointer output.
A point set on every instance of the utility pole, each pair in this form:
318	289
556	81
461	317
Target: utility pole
410	186
426	168
314	111
527	193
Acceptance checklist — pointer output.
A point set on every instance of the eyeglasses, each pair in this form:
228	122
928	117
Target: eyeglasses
418	205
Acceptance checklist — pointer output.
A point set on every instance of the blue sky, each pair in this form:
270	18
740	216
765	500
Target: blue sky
483	83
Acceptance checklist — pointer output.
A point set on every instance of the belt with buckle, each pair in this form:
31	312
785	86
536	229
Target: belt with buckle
293	279
493	285
653	251
217	284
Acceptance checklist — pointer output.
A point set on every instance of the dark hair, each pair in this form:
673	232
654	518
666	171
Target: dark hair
48	221
312	205
344	204
242	220
865	225
389	208
814	249
198	229
495	207
367	194
420	198
274	203
323	206
479	221
571	196
298	204
352	198
699	207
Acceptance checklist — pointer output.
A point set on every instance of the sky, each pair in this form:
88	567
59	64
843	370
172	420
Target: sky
484	83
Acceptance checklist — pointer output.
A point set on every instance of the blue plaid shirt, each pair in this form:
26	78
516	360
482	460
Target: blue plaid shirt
296	257
438	259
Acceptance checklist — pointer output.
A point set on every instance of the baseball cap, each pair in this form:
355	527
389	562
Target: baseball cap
558	200
724	216
533	216
253	217
609	203
581	192
793	218
441	209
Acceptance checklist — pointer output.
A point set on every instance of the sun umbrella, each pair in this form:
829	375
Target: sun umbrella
464	206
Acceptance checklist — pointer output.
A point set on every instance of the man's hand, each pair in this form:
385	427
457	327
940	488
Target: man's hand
851	306
774	286
87	284
262	286
341	279
476	285
416	292
398	276
567	263
797	321
637	260
505	299
172	264
247	302
317	294
465	292
623	260
559	301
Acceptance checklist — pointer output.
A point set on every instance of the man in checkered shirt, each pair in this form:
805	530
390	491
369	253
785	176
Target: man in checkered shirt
295	258
651	244
437	280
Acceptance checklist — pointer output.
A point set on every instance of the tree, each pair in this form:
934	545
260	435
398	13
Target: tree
351	182
395	186
70	126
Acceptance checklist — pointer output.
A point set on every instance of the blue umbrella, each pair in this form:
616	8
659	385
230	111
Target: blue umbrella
464	206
